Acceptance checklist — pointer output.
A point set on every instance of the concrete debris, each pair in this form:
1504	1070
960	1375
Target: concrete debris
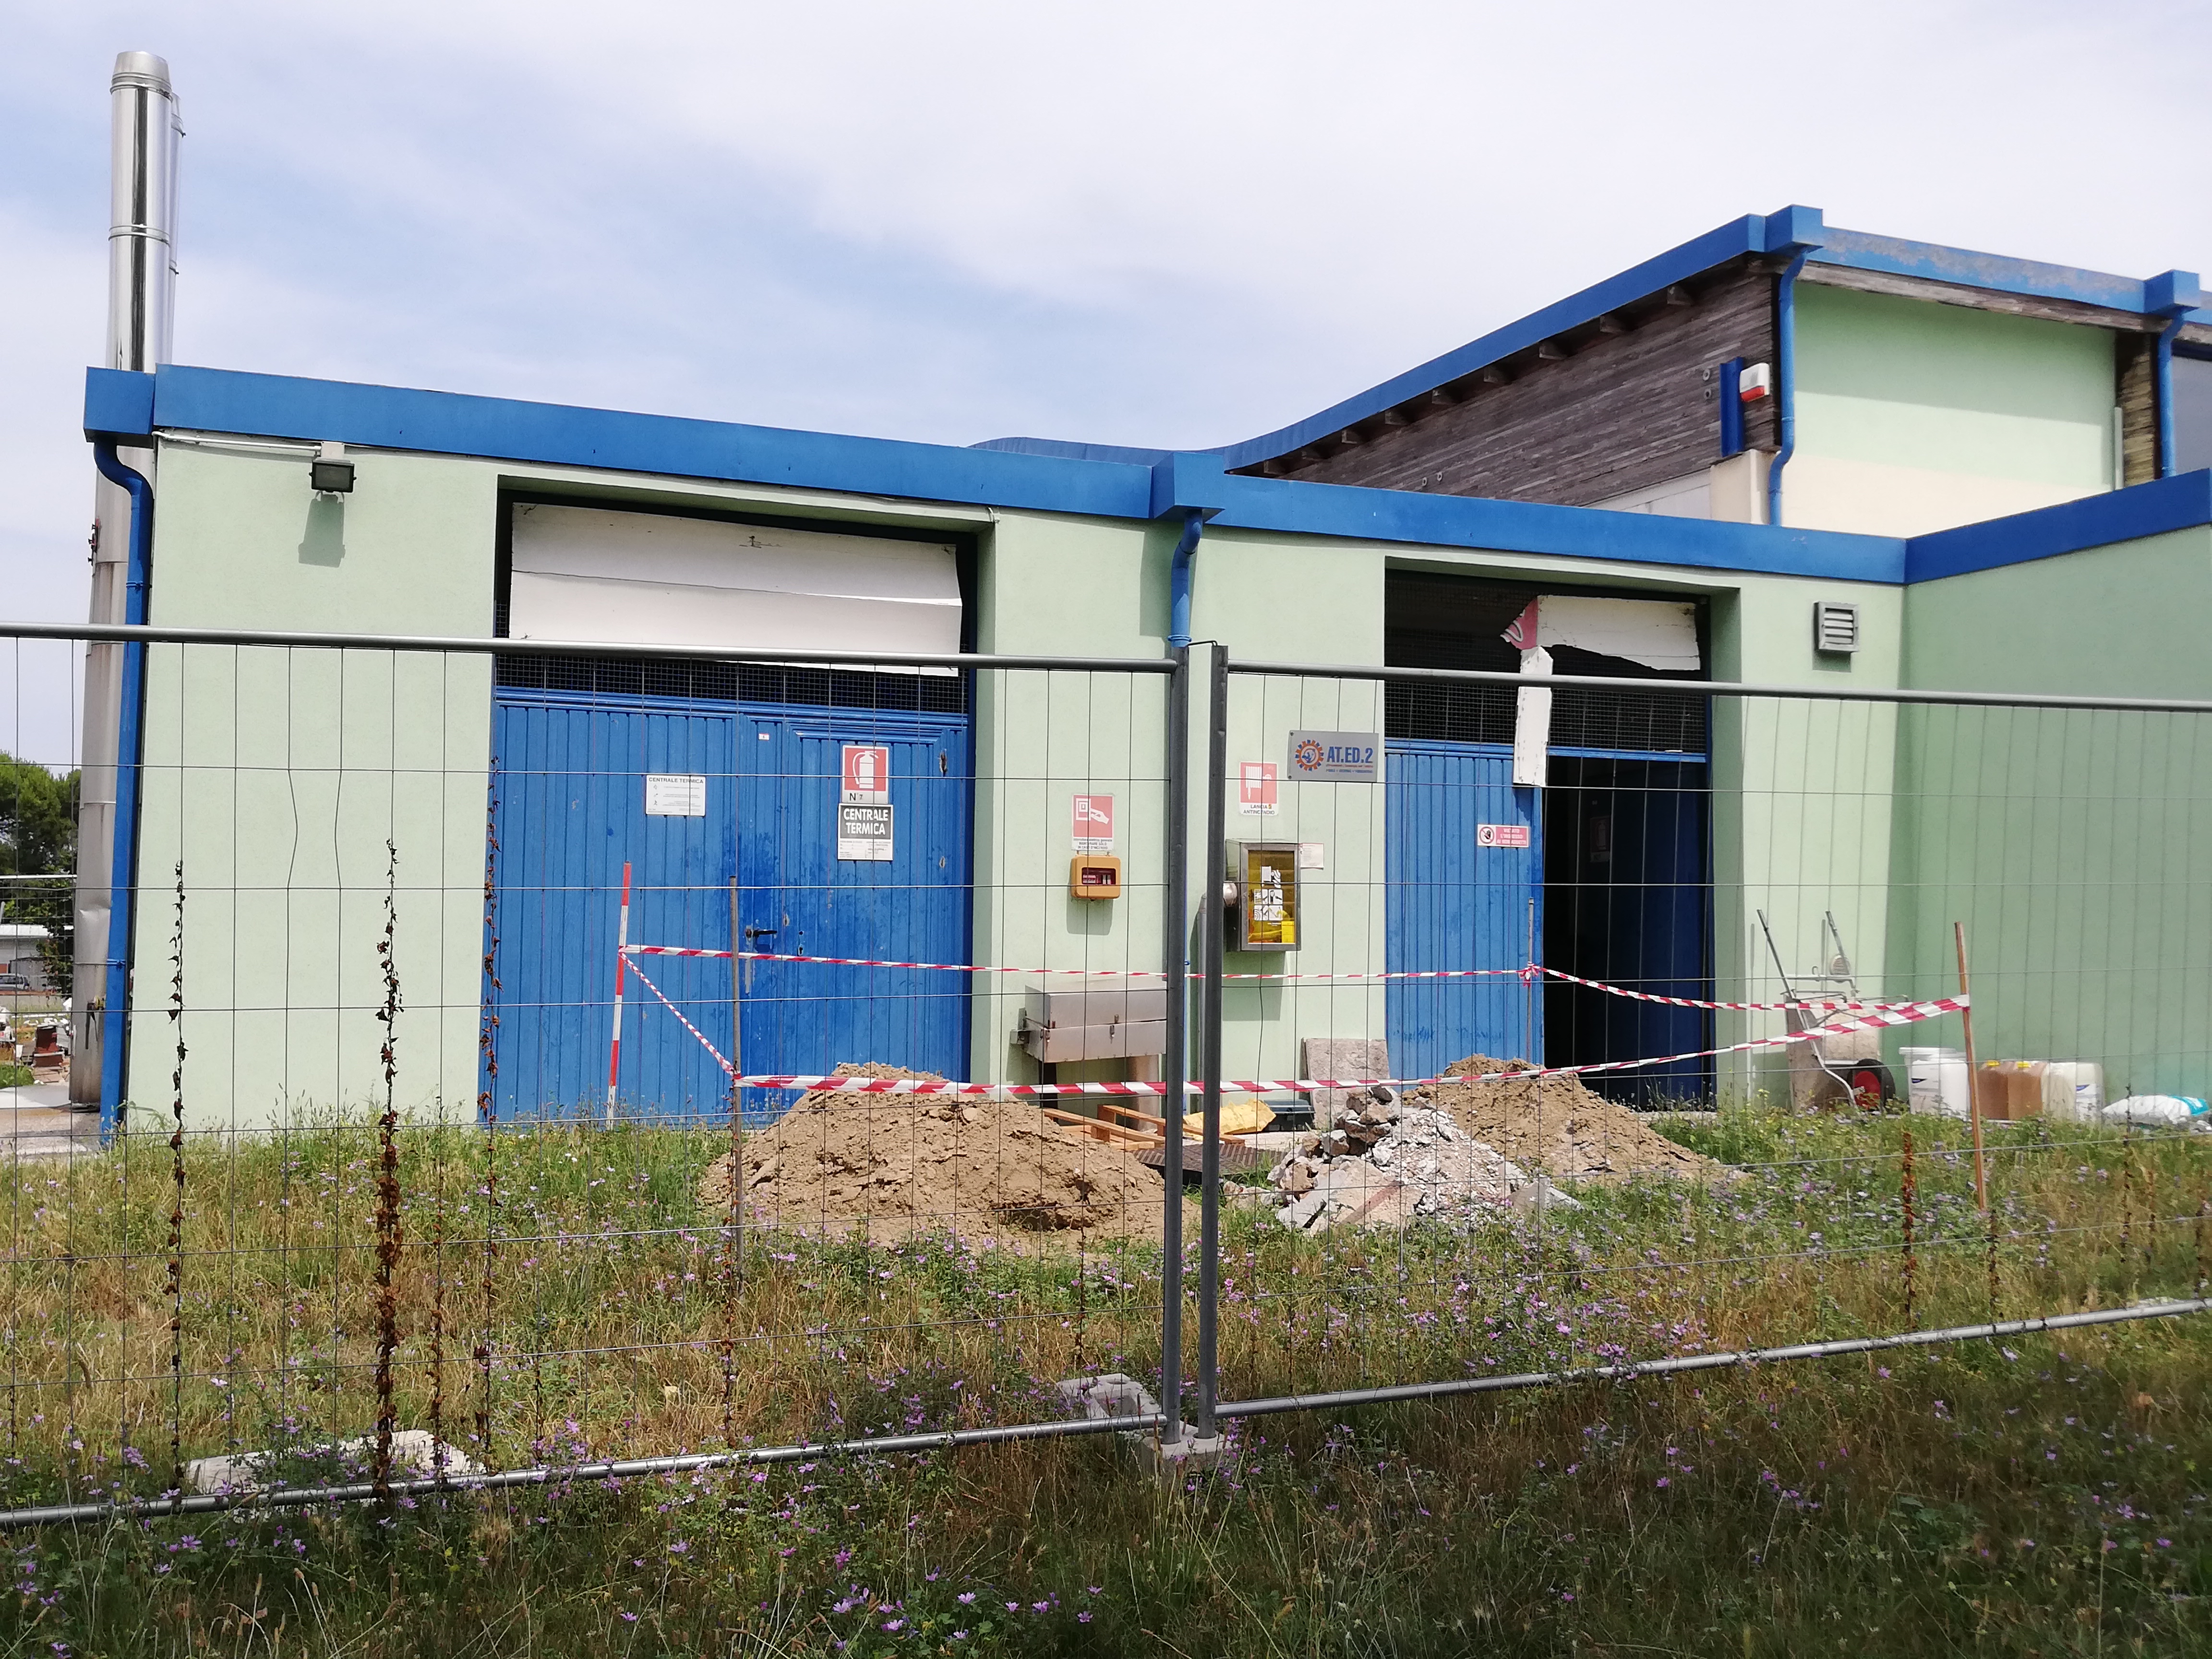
1110	1395
1390	1159
415	1456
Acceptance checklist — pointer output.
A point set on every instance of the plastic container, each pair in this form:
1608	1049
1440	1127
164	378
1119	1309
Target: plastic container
1936	1080
2074	1090
2156	1110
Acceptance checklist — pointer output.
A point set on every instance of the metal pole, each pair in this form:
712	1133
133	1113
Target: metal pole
621	962
1209	1190
1175	1064
1973	1076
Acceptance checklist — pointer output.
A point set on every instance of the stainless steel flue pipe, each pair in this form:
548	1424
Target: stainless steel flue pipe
141	271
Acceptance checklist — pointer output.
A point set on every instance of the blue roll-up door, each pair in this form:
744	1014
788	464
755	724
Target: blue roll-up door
569	792
1453	903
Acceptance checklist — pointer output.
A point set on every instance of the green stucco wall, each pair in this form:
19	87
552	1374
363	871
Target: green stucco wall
1913	415
2076	847
277	777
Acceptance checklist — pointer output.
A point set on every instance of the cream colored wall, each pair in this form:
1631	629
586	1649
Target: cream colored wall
1913	417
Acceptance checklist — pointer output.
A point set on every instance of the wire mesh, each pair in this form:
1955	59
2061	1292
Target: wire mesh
456	1140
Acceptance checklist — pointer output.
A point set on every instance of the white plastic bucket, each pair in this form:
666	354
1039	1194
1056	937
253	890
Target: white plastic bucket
1936	1080
2083	1080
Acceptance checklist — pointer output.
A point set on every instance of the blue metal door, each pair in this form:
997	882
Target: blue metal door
752	841
797	897
1456	903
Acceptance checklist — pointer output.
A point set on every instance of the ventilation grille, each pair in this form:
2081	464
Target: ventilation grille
1642	722
722	682
1836	629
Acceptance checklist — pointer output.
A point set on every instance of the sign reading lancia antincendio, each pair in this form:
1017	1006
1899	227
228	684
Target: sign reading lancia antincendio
1335	758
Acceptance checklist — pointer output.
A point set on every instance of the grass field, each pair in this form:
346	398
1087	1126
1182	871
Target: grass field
2040	1496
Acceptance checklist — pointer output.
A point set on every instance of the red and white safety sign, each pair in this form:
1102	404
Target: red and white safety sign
867	780
1501	835
1258	788
1090	823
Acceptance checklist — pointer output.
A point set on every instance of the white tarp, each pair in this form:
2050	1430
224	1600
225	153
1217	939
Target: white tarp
629	578
1656	632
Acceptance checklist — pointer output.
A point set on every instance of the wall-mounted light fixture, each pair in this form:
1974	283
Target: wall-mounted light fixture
329	473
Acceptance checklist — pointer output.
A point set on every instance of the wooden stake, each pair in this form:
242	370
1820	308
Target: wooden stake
1973	1074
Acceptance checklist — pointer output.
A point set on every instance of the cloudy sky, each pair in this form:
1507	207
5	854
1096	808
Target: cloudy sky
1177	224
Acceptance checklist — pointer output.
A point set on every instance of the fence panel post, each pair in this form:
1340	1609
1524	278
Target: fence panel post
1209	1221
1175	1066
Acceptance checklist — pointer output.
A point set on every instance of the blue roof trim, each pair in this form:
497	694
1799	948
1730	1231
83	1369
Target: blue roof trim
1859	251
1746	236
559	434
119	402
1582	532
1070	451
120	405
2181	502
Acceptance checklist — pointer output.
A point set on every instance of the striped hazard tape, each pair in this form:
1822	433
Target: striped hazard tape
1527	972
1860	1019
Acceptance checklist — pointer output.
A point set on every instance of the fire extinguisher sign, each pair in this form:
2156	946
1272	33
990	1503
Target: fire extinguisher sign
867	776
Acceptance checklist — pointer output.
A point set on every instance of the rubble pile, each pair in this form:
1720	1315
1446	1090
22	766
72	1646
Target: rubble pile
1390	1159
902	1165
1557	1125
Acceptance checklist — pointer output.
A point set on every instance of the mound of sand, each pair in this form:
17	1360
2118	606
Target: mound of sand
903	1164
1555	1126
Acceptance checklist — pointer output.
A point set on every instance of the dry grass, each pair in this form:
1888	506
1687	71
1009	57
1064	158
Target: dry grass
616	1316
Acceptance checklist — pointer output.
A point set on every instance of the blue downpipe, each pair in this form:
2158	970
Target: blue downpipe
1785	373
130	718
1179	579
2166	447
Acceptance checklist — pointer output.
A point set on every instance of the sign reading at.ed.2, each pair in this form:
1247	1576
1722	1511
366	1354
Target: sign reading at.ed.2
1335	758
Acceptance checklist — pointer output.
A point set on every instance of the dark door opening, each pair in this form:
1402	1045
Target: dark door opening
1627	900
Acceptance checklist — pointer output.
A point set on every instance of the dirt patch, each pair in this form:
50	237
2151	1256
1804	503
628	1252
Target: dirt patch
902	1164
1555	1126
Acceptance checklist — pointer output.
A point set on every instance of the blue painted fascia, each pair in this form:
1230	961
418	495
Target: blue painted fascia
118	405
560	434
2181	502
1857	250
1579	532
1740	236
1070	451
495	428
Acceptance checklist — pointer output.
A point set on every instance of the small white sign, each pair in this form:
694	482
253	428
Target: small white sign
864	834
674	795
1310	854
1335	756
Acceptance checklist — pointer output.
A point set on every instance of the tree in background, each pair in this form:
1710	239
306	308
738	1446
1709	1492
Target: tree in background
37	837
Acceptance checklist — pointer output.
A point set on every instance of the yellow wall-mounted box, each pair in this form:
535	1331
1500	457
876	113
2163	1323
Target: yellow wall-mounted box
1094	876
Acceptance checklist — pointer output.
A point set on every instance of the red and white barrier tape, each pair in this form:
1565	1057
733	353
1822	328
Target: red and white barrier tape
1524	973
1861	1020
1833	1006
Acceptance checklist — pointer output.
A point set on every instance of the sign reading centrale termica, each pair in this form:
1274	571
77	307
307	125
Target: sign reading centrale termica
1335	756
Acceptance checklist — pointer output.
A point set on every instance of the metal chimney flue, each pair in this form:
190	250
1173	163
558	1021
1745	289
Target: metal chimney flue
141	267
141	271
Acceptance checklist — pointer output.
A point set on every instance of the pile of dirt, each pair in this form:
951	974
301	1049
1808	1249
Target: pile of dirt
1555	1126
904	1164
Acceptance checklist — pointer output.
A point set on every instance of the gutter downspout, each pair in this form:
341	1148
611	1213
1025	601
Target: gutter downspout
1181	570
2165	449
1785	374
129	767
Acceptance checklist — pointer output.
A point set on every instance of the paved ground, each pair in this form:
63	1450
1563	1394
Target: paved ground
37	1121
